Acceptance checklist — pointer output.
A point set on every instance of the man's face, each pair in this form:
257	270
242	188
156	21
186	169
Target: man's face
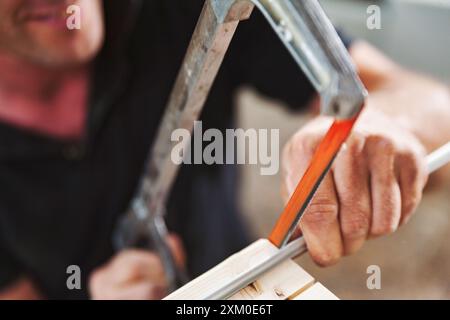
37	32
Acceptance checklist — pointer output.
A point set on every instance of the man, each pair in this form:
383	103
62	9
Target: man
80	108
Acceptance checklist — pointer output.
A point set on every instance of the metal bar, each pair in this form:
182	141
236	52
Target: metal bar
292	250
308	34
210	41
439	158
314	44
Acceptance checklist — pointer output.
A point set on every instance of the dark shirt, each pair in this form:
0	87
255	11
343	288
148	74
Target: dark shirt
60	200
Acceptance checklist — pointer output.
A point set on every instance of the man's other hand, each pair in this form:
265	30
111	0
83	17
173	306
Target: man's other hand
134	275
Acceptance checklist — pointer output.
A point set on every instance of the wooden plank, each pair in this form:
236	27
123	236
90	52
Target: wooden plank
282	282
206	283
316	292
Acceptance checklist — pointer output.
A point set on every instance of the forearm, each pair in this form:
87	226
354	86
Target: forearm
427	115
420	104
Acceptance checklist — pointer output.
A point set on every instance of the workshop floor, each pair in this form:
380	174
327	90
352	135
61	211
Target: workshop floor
414	262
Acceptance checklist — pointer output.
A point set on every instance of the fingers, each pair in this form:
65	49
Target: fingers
412	172
127	275
133	265
351	177
320	225
134	291
385	190
375	185
296	157
142	291
134	274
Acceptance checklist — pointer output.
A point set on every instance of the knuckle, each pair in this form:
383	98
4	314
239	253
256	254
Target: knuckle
321	211
356	225
377	141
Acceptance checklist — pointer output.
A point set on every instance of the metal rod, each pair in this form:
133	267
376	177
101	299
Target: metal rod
308	34
293	249
214	31
311	39
210	41
438	158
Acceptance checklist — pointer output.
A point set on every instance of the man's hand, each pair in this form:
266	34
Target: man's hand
134	275
377	179
374	186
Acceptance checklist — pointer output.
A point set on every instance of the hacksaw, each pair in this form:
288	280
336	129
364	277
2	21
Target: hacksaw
314	44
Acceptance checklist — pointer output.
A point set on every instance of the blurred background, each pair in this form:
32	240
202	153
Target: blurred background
415	261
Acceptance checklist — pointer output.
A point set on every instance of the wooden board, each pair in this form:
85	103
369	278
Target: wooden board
316	292
283	282
286	281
